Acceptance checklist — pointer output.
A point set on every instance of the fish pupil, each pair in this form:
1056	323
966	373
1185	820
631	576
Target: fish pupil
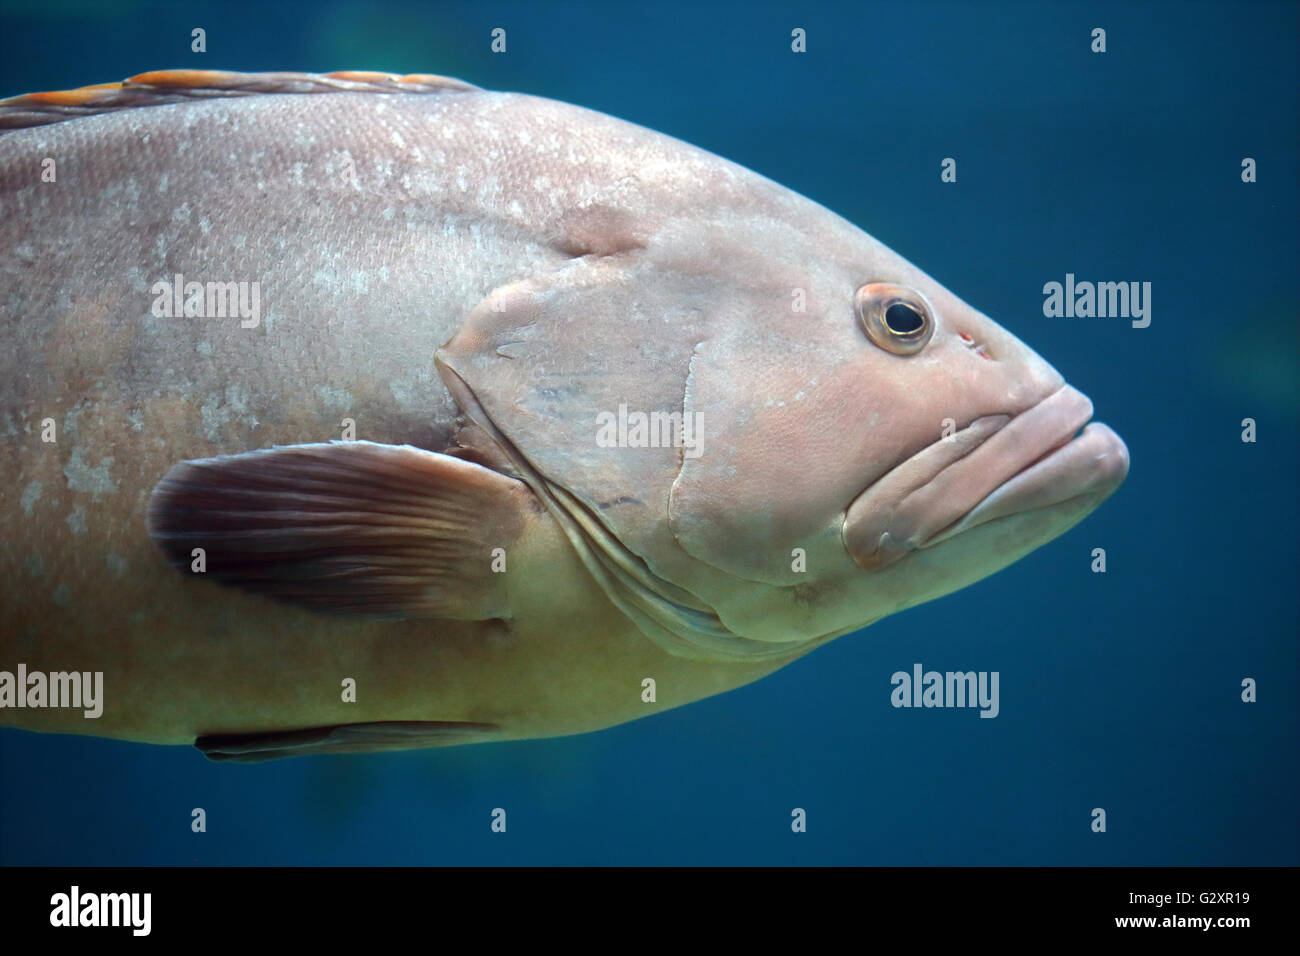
902	319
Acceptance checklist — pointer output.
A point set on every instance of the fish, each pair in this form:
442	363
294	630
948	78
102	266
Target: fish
362	412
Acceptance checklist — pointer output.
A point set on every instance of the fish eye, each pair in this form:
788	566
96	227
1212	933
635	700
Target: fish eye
894	318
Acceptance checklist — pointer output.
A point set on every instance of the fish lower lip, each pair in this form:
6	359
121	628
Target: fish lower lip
1093	464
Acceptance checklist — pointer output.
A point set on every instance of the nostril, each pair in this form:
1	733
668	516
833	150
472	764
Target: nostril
969	342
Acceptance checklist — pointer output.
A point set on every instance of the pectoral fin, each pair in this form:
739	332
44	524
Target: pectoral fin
343	738
360	528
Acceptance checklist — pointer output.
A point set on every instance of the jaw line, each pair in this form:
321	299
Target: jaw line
1089	465
671	617
961	480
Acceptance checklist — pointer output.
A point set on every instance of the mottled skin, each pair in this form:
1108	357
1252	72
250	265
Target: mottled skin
532	239
361	281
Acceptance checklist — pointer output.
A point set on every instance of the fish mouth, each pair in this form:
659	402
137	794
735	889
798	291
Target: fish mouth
999	466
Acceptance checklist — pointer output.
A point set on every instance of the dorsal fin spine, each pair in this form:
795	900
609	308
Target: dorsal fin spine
162	87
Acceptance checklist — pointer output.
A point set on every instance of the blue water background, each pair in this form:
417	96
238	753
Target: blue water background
1119	691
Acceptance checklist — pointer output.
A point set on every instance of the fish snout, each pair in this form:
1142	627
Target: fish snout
998	467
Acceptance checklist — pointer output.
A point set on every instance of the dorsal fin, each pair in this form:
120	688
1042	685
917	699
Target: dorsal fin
173	86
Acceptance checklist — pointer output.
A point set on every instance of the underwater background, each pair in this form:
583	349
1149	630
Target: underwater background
1120	690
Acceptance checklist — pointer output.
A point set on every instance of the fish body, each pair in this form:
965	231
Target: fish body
489	295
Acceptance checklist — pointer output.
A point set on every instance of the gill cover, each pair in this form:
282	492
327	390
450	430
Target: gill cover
543	361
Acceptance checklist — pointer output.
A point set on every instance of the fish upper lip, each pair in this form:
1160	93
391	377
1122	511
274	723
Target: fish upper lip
998	466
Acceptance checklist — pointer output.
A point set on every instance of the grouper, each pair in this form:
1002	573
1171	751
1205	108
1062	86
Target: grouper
367	412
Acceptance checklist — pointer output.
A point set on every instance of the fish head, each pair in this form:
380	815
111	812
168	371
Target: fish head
853	440
880	436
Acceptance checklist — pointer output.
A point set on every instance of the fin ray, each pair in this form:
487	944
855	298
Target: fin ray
351	528
162	87
343	738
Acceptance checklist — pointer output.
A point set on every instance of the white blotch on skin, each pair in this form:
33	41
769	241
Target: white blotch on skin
82	477
330	280
31	495
339	399
217	413
408	391
116	564
77	520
